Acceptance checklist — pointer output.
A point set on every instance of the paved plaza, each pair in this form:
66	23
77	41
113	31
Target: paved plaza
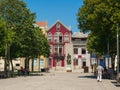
57	81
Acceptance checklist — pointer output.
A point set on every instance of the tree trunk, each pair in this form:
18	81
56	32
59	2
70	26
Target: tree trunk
8	59
12	73
113	60
6	65
27	63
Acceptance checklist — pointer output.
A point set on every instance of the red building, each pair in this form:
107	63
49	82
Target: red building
59	36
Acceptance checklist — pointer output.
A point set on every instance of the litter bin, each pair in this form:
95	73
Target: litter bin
42	70
86	69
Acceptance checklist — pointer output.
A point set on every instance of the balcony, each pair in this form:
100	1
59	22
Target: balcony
58	56
58	42
79	42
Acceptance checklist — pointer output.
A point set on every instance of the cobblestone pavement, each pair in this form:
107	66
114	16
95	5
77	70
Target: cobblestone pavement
57	81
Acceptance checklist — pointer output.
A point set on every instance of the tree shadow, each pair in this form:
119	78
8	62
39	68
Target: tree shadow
88	76
117	84
36	74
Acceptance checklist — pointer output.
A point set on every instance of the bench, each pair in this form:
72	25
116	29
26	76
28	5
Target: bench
23	72
2	74
45	70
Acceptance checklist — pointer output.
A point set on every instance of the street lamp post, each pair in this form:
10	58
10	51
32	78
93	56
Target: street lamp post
108	52
117	54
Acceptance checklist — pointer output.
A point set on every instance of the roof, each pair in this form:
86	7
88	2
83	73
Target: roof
41	24
61	24
79	35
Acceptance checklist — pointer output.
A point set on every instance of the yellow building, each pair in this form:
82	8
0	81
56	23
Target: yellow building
40	63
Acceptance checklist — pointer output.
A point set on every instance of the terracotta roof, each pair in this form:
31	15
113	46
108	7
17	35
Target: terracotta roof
41	24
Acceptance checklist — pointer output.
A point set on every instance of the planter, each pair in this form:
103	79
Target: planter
68	68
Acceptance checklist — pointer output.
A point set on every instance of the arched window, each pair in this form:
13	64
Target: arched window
58	37
50	48
66	37
49	37
55	37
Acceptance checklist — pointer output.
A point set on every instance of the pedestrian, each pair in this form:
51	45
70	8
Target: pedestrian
99	72
22	70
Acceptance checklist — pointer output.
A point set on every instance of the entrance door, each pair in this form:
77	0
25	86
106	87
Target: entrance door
84	64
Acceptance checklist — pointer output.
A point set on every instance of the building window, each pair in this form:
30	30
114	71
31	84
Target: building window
58	27
17	64
56	48
75	50
66	37
41	63
83	64
49	37
60	37
55	37
75	61
35	62
83	51
60	50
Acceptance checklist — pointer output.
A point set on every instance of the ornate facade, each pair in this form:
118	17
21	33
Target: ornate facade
59	37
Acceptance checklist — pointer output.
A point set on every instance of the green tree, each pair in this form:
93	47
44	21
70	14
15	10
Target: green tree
2	36
18	19
5	40
100	17
22	38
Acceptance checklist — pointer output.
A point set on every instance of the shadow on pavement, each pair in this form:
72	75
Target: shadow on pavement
36	74
117	84
91	76
32	74
16	75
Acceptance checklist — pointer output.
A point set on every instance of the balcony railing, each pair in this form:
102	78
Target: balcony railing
58	56
57	42
79	42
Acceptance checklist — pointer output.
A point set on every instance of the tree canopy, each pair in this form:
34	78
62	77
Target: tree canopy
24	39
100	18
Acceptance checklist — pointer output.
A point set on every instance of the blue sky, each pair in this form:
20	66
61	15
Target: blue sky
53	10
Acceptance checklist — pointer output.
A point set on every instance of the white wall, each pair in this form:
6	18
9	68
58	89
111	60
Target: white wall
14	64
1	64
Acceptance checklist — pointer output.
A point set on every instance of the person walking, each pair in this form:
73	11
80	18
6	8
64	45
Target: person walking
99	72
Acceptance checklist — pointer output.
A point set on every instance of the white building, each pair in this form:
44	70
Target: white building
81	57
16	64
